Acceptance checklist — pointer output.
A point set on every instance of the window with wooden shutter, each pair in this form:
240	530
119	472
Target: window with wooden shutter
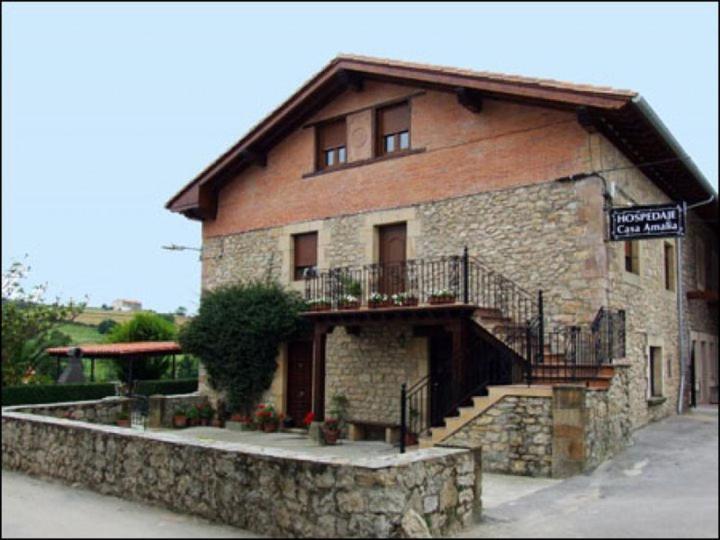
393	128
305	248
655	373
669	266
632	259
331	144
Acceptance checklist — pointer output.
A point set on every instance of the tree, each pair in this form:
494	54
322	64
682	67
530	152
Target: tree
236	335
106	325
181	311
144	326
29	325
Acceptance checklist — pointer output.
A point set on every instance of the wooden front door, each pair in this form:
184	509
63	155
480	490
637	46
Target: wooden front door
299	380
392	249
441	379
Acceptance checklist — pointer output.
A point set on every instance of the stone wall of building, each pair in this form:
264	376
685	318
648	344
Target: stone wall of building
369	369
651	310
515	435
269	491
244	257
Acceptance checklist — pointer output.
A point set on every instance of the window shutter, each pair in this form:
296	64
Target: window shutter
395	119
306	250
331	135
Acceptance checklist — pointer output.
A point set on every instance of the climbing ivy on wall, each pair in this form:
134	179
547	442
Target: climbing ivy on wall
236	335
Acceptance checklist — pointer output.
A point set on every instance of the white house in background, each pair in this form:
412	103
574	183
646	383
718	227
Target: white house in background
122	304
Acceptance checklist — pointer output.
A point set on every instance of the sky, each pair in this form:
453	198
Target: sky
109	109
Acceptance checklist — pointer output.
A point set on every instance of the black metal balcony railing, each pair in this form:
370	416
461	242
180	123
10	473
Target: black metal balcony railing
420	281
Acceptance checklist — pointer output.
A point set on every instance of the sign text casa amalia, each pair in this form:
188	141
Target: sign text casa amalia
651	221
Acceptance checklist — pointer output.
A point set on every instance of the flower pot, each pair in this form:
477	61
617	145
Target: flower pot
349	305
410	439
320	307
179	421
217	422
434	300
331	436
410	302
204	421
270	427
380	304
123	422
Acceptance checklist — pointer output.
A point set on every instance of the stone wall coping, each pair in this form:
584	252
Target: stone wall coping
521	390
62	404
374	462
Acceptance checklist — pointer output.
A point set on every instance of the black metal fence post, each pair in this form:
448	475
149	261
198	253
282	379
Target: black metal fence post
403	421
529	355
466	276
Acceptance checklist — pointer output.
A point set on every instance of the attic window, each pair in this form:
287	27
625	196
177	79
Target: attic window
393	125
331	144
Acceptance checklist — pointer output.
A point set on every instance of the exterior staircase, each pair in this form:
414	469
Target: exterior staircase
480	404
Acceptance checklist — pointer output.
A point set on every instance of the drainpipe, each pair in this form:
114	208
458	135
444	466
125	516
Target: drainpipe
681	299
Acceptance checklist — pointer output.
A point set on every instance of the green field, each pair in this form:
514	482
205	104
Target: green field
95	316
81	334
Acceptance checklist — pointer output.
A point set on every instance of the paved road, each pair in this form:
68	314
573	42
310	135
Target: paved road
666	485
33	508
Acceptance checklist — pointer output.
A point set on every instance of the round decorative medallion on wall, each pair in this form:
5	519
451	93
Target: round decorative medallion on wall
359	136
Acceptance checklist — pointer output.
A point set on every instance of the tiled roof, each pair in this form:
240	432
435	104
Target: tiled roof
489	75
138	348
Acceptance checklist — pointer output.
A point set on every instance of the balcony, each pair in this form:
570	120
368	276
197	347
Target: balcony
431	284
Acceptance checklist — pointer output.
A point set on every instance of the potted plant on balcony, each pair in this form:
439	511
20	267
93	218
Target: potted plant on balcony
319	304
180	417
405	299
348	301
331	430
350	292
123	419
441	296
379	300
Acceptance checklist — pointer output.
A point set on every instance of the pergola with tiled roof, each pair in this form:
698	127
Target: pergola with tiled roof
138	350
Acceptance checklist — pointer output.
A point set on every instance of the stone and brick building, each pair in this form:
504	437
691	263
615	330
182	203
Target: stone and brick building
449	229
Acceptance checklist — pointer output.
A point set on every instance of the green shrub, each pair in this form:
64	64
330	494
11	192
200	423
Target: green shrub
236	336
166	387
29	394
106	325
143	327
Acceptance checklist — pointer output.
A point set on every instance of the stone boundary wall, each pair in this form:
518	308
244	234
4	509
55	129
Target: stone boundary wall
102	411
106	410
515	435
608	421
270	491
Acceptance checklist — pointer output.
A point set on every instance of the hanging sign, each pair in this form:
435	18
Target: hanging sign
651	221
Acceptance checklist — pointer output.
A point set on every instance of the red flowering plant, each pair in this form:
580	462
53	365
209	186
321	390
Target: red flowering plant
266	414
309	418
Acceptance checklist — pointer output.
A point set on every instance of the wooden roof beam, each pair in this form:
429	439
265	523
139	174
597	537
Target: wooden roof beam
469	98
